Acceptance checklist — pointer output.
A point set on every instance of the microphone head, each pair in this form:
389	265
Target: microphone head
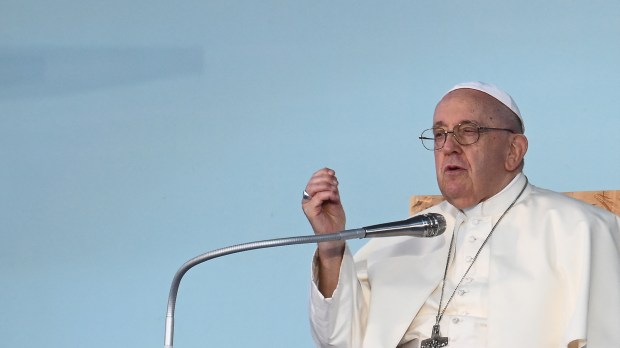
436	224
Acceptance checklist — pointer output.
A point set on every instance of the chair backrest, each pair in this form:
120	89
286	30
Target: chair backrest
609	200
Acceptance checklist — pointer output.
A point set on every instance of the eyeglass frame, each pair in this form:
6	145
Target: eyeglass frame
445	133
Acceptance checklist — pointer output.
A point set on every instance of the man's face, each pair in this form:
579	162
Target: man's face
469	174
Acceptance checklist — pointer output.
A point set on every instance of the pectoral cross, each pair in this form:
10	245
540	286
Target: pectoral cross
436	341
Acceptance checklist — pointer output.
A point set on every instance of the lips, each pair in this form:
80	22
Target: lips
453	168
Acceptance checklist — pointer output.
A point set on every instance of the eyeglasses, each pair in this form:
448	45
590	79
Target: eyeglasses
466	133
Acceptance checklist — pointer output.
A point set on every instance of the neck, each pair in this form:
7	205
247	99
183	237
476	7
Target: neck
499	201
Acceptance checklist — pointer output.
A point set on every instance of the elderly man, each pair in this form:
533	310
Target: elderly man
518	266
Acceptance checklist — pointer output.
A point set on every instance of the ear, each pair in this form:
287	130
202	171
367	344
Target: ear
518	148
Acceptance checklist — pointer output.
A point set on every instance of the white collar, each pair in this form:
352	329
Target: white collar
500	201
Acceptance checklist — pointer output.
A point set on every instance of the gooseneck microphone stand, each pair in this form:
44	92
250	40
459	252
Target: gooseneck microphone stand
428	225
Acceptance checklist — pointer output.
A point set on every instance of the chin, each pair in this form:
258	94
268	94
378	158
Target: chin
458	198
462	204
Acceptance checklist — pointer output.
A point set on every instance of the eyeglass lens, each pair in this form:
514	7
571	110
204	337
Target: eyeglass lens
464	134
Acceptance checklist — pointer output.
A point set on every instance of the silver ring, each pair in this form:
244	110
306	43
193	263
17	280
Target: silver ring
306	196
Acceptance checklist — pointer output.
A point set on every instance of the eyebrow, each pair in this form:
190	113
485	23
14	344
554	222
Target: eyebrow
441	124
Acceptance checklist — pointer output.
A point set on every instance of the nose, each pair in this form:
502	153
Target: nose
451	145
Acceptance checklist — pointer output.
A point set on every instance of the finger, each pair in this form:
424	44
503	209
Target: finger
322	196
318	186
315	206
323	173
325	196
321	181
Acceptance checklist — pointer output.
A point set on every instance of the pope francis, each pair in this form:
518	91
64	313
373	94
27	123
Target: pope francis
518	265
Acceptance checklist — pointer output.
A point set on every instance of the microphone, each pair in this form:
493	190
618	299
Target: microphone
426	225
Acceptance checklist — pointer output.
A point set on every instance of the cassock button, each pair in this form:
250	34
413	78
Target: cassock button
455	320
472	239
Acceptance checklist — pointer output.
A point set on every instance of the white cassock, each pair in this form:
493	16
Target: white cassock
549	276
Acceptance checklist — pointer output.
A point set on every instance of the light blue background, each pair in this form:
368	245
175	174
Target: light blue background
135	135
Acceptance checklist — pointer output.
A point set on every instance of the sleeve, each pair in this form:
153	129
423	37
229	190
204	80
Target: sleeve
596	313
604	286
340	321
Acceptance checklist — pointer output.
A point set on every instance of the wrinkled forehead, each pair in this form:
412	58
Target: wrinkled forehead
504	105
467	105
